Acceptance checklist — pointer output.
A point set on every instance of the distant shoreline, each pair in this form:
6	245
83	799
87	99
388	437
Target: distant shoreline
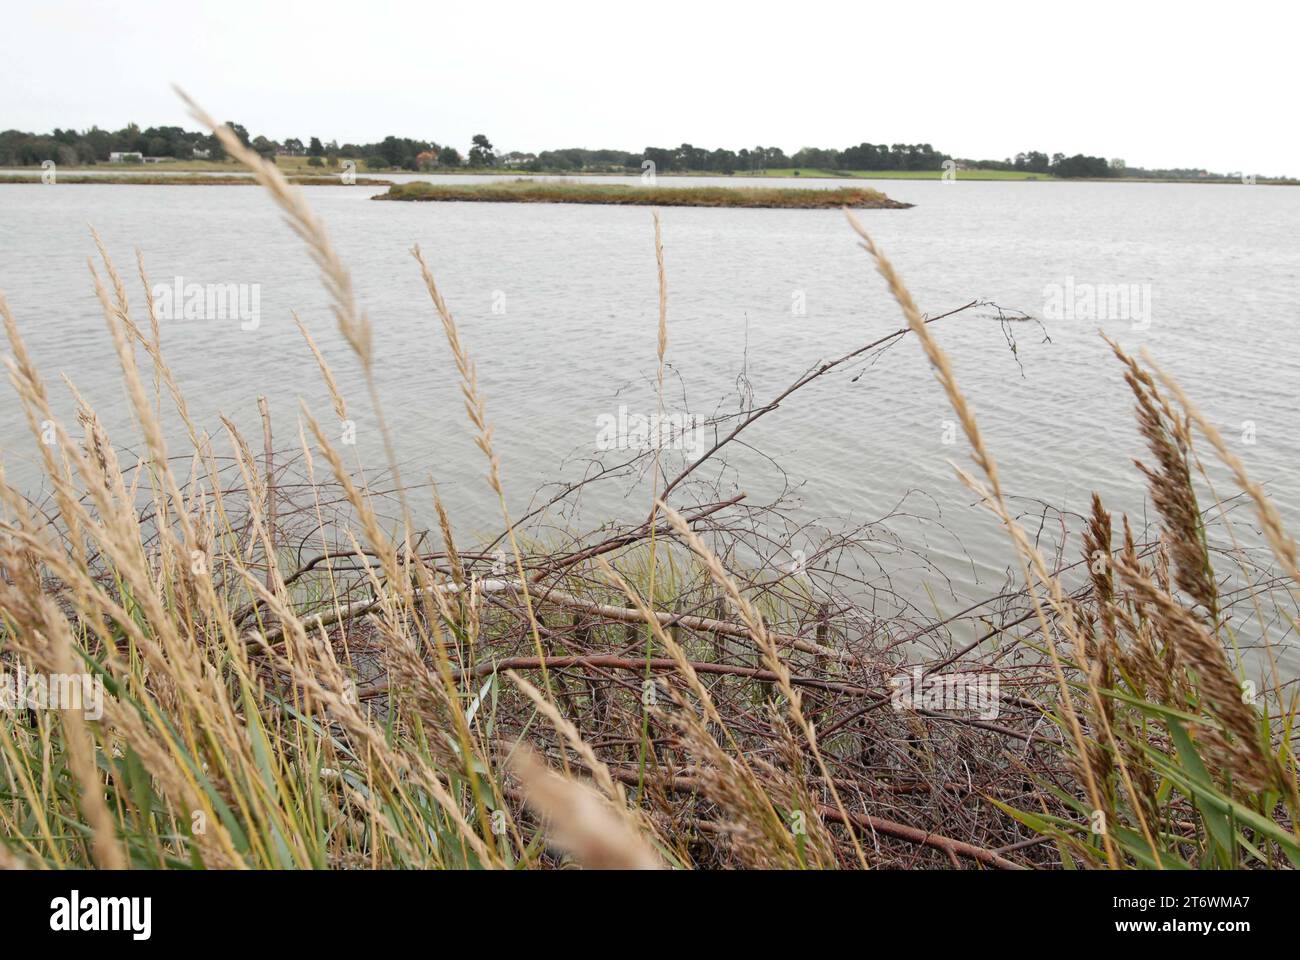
189	180
214	174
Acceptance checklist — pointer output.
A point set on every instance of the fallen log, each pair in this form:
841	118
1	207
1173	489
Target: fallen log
635	664
593	609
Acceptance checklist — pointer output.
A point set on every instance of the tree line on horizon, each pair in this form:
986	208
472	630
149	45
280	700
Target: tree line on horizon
72	148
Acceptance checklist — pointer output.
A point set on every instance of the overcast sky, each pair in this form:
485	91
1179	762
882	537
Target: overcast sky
1159	85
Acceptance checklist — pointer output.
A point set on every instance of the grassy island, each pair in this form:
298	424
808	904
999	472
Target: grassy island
189	180
567	191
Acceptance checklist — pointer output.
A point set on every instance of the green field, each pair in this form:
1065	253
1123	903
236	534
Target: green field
803	172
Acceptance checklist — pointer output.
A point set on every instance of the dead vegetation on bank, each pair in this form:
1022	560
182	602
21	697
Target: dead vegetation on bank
295	676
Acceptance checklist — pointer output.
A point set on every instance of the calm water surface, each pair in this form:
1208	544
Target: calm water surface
574	330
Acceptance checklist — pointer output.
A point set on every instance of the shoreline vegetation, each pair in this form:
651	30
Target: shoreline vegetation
178	149
566	191
189	180
297	170
291	674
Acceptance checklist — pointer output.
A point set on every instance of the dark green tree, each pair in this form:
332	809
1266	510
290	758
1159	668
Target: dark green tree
480	154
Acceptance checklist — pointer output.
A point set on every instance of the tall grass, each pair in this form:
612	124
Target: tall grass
646	698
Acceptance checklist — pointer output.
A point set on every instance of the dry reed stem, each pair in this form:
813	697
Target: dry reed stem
477	411
353	324
579	820
740	790
1284	547
336	396
1026	553
769	651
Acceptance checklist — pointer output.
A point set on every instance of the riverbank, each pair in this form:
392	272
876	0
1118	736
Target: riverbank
189	180
526	191
289	166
